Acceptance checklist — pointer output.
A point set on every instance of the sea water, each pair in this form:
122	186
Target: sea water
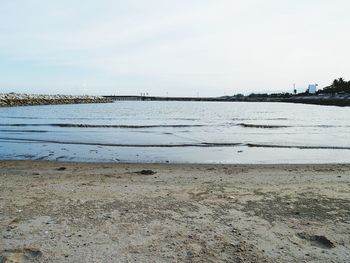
177	132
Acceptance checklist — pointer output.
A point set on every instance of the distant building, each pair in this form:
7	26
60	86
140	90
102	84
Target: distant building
312	88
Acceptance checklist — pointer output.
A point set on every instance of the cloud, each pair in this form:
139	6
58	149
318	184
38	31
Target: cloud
211	46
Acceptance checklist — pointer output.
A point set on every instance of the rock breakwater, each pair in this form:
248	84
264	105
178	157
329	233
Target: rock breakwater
15	99
342	100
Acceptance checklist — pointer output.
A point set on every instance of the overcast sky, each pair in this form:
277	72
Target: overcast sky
183	47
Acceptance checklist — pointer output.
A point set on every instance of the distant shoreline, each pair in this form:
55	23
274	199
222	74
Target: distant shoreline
330	100
14	99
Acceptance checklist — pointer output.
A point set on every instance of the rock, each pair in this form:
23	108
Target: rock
146	172
14	99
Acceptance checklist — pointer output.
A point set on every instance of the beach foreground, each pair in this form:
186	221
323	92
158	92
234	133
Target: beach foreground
74	212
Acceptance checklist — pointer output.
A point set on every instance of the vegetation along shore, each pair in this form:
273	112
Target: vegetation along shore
336	94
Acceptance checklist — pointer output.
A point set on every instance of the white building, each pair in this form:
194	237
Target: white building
312	88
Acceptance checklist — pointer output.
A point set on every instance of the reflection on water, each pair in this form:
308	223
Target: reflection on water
200	132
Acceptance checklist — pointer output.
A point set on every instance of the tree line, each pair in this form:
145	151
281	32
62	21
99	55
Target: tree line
338	86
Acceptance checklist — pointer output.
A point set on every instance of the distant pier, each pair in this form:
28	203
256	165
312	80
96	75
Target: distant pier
156	98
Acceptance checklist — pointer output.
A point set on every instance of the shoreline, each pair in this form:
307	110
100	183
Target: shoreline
16	100
165	164
342	100
94	212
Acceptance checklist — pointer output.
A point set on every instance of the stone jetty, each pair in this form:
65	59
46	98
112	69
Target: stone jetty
15	99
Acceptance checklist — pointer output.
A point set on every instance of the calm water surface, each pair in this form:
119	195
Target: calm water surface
177	132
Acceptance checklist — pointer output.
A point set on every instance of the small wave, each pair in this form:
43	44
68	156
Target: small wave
260	119
199	144
277	119
321	126
124	126
23	131
22	118
63	118
72	125
185	119
203	144
267	126
262	126
298	147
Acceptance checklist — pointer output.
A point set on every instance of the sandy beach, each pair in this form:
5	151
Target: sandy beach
75	212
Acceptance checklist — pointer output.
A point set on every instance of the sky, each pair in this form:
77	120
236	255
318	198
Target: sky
178	47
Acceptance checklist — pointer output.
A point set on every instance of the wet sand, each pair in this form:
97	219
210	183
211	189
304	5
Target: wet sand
75	212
